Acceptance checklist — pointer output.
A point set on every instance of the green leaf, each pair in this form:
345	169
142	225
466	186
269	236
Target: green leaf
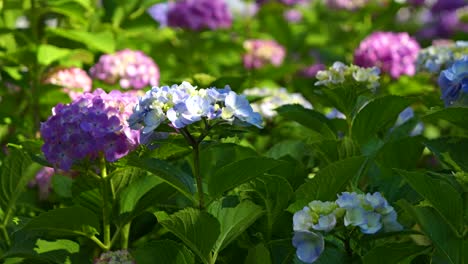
66	221
377	117
16	170
403	153
121	178
98	41
165	171
135	191
454	115
62	185
443	197
164	251
308	118
436	228
216	156
275	193
197	229
239	172
329	181
258	254
394	253
234	221
451	150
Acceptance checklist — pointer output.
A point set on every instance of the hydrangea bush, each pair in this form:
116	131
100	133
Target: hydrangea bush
359	157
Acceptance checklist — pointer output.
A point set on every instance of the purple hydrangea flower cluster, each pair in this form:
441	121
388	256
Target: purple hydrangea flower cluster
93	124
260	53
43	182
132	69
370	212
346	4
444	19
340	73
74	81
274	98
393	53
114	257
182	105
453	82
199	14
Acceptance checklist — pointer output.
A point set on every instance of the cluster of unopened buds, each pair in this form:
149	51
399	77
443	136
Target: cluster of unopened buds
370	213
340	73
182	105
274	98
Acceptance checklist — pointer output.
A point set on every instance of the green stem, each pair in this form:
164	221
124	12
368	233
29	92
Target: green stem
5	235
105	207
196	164
99	243
125	235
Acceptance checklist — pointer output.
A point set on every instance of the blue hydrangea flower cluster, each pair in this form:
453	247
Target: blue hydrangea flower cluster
434	58
369	212
340	73
182	105
453	81
94	124
274	98
115	257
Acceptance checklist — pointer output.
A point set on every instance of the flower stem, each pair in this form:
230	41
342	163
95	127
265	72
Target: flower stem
5	235
196	164
105	207
125	235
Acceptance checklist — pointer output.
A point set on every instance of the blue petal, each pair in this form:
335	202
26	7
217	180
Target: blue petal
309	246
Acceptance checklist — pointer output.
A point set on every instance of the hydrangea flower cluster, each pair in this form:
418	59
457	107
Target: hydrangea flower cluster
43	181
93	124
393	53
453	81
260	53
346	4
340	73
274	98
199	14
182	105
74	81
370	212
159	12
444	19
115	257
132	69
434	58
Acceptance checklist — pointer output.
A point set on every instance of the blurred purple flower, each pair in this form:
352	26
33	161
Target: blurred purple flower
74	81
93	124
159	12
312	70
346	4
260	53
199	14
292	15
132	69
393	53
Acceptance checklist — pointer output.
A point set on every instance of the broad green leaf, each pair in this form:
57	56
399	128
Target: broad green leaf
454	115
239	172
274	192
121	178
75	220
445	199
377	116
216	156
58	251
164	251
16	170
308	118
167	172
99	41
233	220
135	191
330	181
294	148
197	229
62	185
451	150
394	253
258	254
403	153
436	228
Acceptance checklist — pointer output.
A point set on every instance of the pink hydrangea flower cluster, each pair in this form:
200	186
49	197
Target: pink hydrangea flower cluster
74	81
393	53
199	14
94	124
132	69
260	53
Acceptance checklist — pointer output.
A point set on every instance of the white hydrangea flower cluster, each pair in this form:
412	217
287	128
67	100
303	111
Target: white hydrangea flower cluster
339	73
